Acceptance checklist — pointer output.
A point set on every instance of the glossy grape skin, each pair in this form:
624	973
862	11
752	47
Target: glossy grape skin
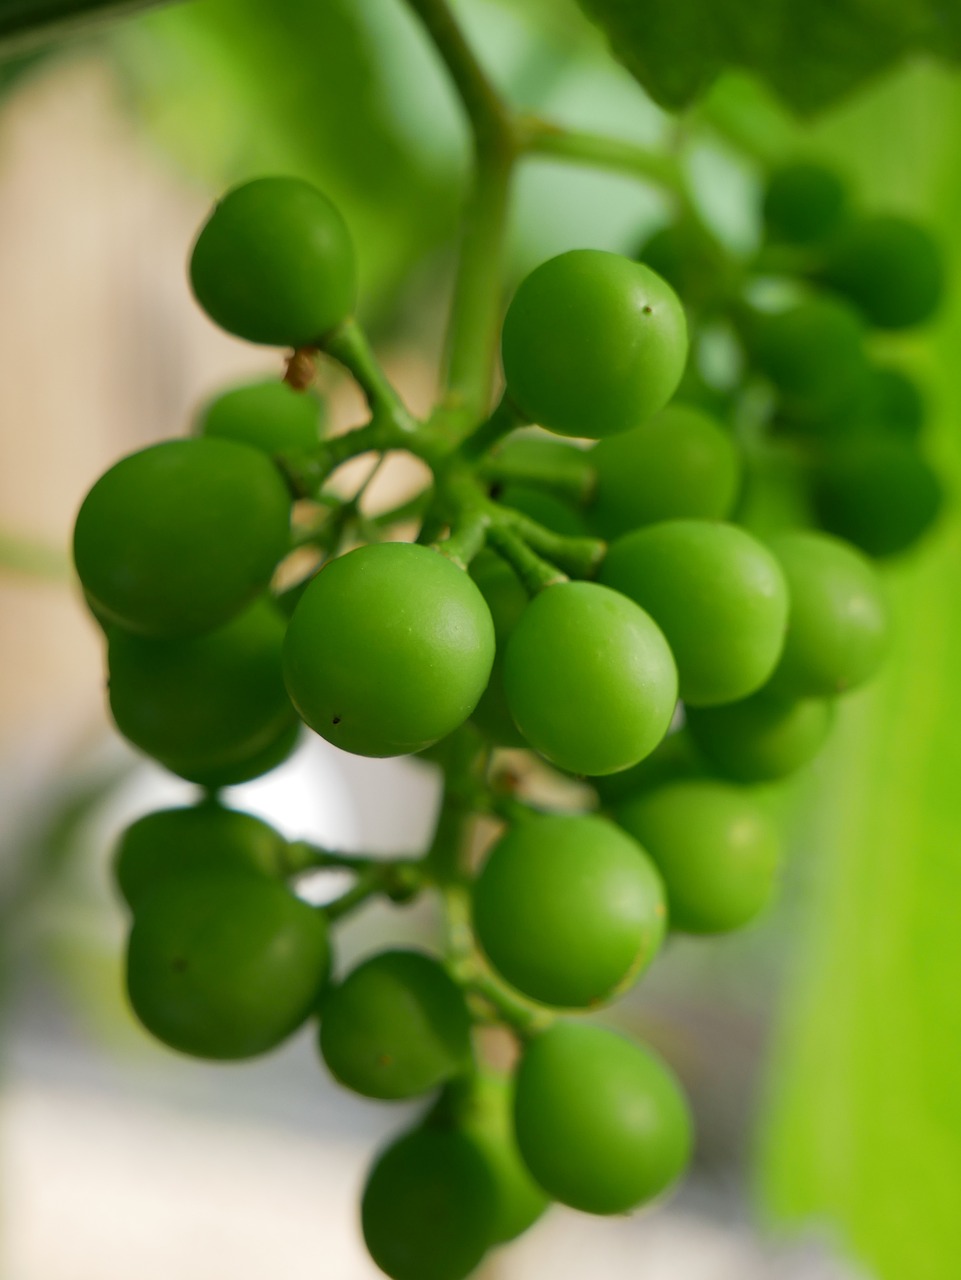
204	704
206	837
838	625
813	353
274	263
507	599
889	267
481	1105
179	538
267	415
715	847
396	1027
428	1206
225	964
589	677
679	464
593	344
569	910
388	650
718	595
877	492
601	1122
804	202
762	738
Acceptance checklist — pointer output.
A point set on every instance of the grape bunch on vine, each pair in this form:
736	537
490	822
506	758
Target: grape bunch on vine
598	574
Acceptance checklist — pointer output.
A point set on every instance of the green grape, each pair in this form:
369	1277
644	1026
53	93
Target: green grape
178	538
540	461
267	415
716	849
889	267
813	353
207	837
674	758
274	263
894	401
689	259
763	737
225	964
877	492
589	677
244	769
389	649
837	630
804	202
481	1106
593	344
569	910
679	464
717	594
507	599
428	1207
396	1027
205	704
601	1123
547	509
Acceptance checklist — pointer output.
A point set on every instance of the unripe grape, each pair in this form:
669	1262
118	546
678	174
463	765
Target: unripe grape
837	630
804	202
763	737
716	849
593	344
388	650
601	1123
542	461
225	964
274	263
590	679
878	492
675	757
206	704
689	260
813	353
546	508
268	415
428	1207
207	837
718	595
507	599
569	910
179	538
679	464
396	1027
253	764
481	1106
889	267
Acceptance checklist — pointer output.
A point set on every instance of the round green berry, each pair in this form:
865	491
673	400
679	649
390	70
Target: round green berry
589	677
569	910
601	1123
804	202
267	415
274	263
718	595
388	650
890	268
593	344
715	847
763	737
179	538
396	1027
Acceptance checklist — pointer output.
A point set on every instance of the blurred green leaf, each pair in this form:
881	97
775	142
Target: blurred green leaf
865	1121
811	52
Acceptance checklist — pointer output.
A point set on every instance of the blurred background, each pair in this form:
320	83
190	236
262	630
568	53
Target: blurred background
821	1049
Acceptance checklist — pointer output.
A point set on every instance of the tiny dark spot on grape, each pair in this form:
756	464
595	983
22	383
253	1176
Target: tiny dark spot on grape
336	720
648	311
384	1060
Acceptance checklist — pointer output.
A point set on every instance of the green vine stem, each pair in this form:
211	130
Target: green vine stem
348	345
534	573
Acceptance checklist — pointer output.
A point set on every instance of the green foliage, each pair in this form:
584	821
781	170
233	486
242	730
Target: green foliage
811	54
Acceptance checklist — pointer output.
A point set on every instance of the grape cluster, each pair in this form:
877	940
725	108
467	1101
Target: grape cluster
615	607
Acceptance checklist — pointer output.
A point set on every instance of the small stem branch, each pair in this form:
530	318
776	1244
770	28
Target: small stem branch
542	138
348	345
579	557
525	1020
534	573
504	419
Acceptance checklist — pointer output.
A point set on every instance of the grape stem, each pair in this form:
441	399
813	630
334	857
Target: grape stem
534	573
348	345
